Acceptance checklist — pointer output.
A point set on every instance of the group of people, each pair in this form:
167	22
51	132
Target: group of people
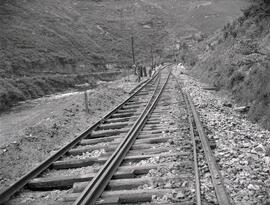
142	71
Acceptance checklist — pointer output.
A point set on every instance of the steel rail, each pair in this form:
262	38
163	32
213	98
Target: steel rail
217	179
97	185
15	187
139	85
196	167
195	158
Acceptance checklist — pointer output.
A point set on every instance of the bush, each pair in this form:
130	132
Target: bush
236	78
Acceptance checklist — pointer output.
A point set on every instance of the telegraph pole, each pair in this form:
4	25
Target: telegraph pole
152	57
132	47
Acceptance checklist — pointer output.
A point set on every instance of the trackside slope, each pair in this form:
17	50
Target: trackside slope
237	58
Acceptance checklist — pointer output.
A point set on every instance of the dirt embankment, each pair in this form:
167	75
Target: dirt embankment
19	89
237	58
42	126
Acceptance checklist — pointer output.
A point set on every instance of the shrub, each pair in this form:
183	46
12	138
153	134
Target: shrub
236	78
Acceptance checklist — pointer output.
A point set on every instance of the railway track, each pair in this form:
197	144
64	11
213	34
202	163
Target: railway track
145	152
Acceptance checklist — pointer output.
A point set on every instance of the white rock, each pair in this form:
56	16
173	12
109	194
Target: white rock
267	160
253	187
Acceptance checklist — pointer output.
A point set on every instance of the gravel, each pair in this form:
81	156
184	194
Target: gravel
72	172
242	150
42	126
182	189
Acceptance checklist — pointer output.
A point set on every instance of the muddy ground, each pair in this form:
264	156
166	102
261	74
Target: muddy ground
37	128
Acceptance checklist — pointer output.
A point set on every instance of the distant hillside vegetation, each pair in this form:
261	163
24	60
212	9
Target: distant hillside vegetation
46	44
237	58
74	36
79	36
51	45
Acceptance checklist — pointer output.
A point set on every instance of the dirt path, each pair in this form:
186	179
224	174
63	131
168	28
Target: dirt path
31	113
34	112
35	129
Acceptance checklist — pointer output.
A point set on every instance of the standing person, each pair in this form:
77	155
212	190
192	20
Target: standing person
144	71
138	73
141	70
150	71
134	68
154	70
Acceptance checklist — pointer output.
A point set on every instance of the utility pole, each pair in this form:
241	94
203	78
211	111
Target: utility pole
132	47
175	51
86	102
174	54
152	57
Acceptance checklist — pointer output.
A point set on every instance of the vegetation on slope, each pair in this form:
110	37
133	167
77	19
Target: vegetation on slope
69	39
71	35
42	38
238	58
78	36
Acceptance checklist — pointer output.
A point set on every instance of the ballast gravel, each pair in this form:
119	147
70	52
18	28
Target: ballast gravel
178	175
242	148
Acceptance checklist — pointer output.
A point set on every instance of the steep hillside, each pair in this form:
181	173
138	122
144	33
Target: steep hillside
75	36
237	58
41	38
72	35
